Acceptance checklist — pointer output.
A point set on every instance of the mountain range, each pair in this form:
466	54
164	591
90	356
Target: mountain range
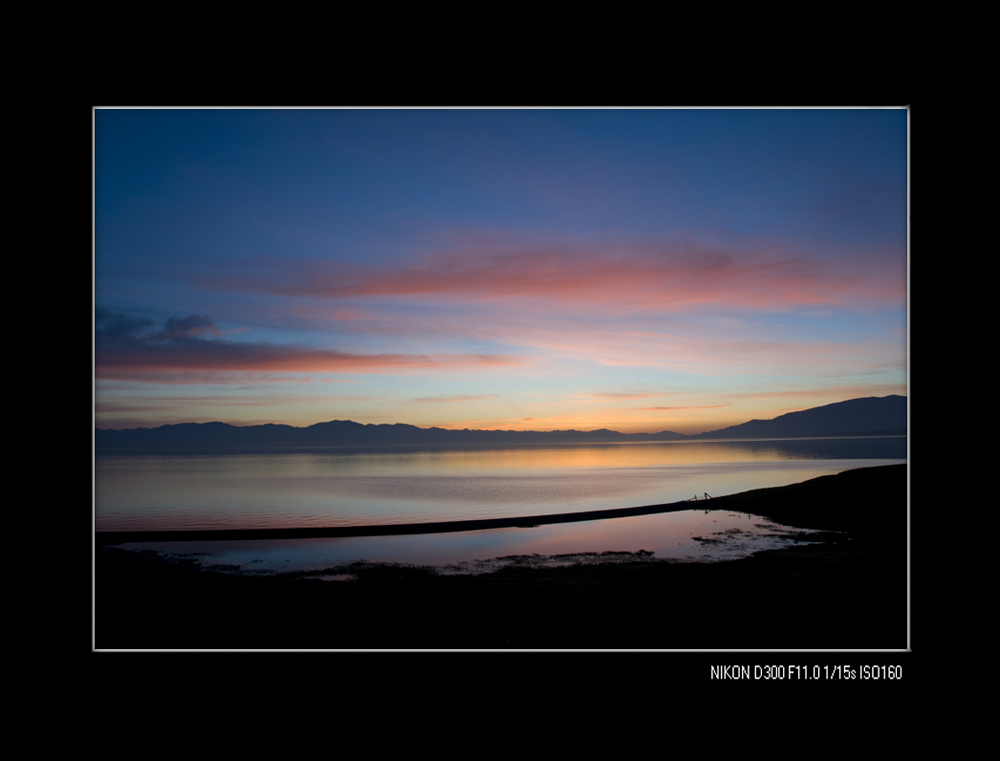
856	417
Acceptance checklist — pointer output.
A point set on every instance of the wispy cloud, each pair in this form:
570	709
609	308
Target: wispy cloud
625	276
687	407
127	349
613	396
453	398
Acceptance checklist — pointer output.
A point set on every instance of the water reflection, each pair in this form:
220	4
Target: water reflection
685	535
148	492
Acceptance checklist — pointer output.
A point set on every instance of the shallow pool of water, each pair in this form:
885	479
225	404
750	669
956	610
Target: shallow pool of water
687	535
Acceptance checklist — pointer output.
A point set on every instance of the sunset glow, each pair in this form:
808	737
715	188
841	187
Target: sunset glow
530	269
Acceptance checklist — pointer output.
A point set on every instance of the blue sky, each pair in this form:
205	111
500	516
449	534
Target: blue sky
636	269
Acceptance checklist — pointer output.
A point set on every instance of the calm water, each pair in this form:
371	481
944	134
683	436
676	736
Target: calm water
140	492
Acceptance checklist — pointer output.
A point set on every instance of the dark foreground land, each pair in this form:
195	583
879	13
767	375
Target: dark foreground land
849	592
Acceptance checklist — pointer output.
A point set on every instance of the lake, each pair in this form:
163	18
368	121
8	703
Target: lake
337	488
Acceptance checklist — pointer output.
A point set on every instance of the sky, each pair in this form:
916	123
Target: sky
516	269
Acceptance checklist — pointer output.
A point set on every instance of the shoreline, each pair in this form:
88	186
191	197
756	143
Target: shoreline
849	592
110	538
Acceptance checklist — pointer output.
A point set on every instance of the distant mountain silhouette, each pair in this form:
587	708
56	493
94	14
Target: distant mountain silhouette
886	415
866	417
340	433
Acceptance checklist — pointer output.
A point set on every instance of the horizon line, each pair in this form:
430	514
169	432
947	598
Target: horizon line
493	430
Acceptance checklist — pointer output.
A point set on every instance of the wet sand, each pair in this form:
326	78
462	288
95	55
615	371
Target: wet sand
850	592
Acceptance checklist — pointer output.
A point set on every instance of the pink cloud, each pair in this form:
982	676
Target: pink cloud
177	361
645	277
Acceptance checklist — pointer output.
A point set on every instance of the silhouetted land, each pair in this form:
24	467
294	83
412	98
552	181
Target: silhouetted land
850	592
855	417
